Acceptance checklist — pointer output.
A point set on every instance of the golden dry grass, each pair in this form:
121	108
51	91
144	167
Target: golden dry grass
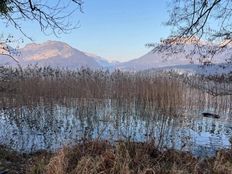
166	91
100	157
33	83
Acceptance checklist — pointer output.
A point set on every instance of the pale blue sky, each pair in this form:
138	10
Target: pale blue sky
113	29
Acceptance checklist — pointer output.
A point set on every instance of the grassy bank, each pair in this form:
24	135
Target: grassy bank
97	157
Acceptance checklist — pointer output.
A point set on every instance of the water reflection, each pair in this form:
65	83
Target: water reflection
28	129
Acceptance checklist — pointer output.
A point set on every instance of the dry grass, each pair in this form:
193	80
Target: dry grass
168	92
100	157
16	163
130	158
33	83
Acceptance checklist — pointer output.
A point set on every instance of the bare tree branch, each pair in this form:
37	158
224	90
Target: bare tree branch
205	24
53	17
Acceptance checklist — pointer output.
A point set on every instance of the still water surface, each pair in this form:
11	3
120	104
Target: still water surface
49	127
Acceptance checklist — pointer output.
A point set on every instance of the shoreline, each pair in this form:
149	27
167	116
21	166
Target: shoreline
124	157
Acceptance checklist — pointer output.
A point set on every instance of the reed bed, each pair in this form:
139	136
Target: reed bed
34	83
167	91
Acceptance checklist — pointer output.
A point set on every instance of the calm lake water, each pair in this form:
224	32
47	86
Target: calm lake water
49	127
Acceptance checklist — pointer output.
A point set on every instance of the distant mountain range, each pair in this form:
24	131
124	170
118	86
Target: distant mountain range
59	54
54	54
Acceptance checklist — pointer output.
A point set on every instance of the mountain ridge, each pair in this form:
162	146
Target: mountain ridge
54	54
61	55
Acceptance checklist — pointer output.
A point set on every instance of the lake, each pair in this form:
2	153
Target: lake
50	126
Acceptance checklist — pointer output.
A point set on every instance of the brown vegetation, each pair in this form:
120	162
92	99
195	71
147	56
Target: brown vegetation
165	91
34	83
95	157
